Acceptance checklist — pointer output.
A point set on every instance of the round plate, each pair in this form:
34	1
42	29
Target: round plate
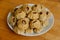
44	30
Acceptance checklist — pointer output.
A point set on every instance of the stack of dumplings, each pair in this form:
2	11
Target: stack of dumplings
29	19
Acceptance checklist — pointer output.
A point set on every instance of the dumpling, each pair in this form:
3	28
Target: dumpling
34	8
37	8
20	15
44	15
18	31
27	8
35	24
15	29
12	20
33	15
45	23
21	31
29	31
23	23
37	30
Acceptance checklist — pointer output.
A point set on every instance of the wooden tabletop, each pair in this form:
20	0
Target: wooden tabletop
7	34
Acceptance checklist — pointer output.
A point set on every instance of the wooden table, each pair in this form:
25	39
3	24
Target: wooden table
7	34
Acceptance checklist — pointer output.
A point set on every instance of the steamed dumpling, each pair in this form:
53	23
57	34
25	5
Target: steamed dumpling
15	29
18	31
33	15
38	8
45	23
37	30
44	15
23	23
12	20
35	24
27	8
20	15
29	31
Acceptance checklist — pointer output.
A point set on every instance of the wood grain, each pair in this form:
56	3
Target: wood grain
7	34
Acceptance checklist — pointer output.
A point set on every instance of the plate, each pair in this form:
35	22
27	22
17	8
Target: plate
44	30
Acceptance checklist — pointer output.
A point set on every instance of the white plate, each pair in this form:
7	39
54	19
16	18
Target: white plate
51	22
